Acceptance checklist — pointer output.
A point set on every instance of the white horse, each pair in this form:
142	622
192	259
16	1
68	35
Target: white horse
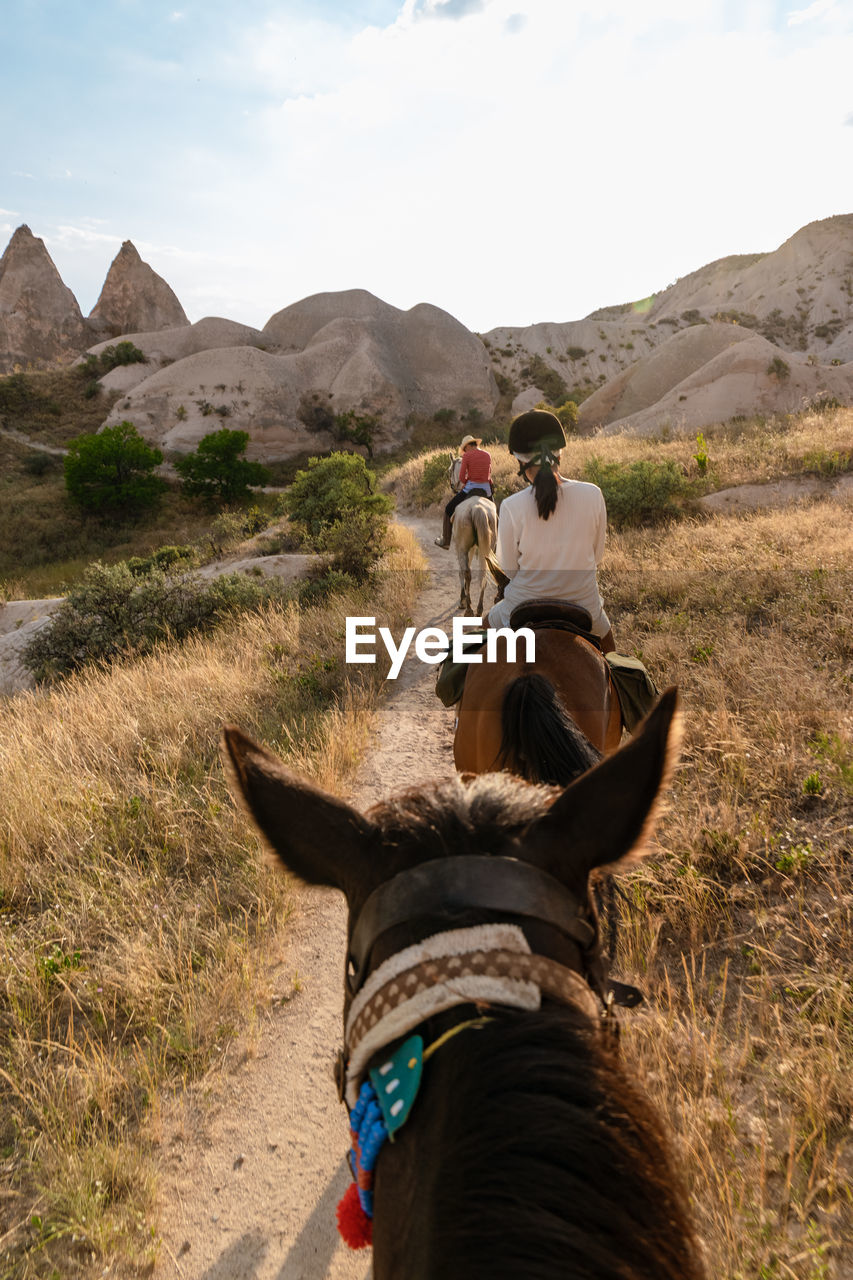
475	528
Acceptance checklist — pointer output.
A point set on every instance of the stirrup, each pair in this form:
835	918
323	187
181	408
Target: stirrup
445	546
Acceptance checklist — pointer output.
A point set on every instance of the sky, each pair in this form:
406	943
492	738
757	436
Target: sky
511	161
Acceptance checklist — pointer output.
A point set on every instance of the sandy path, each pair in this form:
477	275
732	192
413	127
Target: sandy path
253	1161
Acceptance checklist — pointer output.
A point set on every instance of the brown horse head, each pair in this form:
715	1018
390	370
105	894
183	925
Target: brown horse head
529	1150
601	819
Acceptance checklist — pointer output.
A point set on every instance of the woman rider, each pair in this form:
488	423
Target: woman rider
550	535
475	475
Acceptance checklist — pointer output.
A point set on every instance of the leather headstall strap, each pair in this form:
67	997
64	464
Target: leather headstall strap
451	886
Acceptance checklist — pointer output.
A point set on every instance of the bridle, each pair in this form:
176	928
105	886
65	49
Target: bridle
472	882
505	889
488	965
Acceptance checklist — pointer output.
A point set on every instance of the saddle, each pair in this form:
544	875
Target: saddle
554	615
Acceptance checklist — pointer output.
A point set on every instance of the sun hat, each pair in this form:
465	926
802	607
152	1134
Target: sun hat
535	432
466	440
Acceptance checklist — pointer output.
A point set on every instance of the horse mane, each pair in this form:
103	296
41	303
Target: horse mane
539	739
552	1162
452	816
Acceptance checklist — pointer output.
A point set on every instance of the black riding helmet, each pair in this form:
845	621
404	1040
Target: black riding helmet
536	436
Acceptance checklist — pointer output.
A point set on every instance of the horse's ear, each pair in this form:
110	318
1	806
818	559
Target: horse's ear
318	837
607	815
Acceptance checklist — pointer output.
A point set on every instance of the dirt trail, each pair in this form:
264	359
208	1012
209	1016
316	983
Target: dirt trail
253	1160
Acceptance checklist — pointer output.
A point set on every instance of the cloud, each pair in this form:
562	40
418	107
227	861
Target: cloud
382	172
587	160
450	8
414	10
9	213
816	10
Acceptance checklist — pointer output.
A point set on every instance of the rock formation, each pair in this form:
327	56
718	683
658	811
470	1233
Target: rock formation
322	357
649	379
698	352
623	363
165	346
135	298
746	377
40	321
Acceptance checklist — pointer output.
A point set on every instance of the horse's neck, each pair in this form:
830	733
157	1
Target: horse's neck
518	1139
413	1238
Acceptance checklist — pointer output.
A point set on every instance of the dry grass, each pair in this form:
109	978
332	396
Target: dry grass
45	542
52	405
741	929
748	452
135	915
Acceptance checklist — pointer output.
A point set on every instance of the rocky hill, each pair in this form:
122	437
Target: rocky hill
134	297
40	321
677	359
287	384
763	332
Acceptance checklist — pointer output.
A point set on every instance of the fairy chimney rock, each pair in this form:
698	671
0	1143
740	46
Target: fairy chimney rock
40	321
134	299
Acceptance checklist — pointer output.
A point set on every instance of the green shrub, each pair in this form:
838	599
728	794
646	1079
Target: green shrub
111	357
637	493
779	369
112	471
434	484
576	353
320	495
355	542
115	612
567	413
548	380
356	428
38	464
217	470
165	559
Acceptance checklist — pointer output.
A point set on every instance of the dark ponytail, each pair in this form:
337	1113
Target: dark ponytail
545	483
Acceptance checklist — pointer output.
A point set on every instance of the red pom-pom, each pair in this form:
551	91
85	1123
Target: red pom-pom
353	1223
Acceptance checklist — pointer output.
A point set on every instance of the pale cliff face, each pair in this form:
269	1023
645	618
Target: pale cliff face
40	321
319	357
135	299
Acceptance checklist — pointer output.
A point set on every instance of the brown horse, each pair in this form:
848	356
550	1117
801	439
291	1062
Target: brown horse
531	718
528	1149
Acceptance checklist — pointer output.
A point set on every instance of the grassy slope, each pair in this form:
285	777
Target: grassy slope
741	927
741	930
135	913
45	541
116	921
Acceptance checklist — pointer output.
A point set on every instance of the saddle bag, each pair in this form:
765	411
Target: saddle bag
450	681
637	691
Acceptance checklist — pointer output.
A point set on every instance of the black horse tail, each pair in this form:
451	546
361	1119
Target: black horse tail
539	739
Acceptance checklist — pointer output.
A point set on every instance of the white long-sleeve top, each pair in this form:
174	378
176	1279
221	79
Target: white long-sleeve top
554	558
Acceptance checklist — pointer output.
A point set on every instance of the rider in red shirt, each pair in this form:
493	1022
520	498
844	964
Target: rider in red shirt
475	476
